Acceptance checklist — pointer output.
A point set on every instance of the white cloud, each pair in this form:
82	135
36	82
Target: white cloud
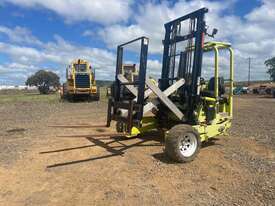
15	73
252	35
265	14
20	52
154	68
102	11
89	33
150	18
19	35
25	59
117	34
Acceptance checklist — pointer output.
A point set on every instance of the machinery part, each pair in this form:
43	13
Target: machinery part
154	102
174	33
127	80
164	99
121	127
182	143
190	59
210	91
221	86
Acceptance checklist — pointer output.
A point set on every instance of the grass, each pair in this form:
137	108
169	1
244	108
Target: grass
12	96
26	96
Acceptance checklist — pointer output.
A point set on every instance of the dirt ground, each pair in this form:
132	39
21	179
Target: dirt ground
45	165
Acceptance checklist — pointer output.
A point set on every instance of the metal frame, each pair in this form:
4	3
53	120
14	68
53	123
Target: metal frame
198	31
216	46
161	95
198	34
115	100
142	67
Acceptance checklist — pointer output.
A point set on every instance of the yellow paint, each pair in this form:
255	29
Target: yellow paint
148	123
231	82
209	99
209	131
216	72
135	131
71	84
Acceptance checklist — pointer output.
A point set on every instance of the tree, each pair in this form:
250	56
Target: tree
43	80
270	63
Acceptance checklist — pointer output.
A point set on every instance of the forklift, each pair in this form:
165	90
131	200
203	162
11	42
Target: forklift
186	106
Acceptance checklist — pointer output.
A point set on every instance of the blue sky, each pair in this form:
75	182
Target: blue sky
48	34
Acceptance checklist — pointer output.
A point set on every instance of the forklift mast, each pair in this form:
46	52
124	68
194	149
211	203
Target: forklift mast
140	83
184	38
119	101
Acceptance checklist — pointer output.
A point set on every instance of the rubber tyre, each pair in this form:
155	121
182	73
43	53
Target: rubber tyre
173	142
120	127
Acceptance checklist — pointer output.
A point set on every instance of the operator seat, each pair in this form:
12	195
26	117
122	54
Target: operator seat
210	91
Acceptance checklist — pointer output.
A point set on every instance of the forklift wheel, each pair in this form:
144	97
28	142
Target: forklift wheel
182	143
120	126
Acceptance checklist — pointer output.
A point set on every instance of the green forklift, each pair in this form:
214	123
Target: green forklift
183	103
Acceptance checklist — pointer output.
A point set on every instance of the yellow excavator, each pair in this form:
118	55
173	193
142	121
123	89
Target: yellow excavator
80	82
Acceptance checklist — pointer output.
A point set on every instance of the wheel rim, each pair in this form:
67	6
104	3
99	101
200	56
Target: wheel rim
188	144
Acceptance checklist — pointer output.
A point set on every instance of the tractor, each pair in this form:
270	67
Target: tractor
80	82
188	107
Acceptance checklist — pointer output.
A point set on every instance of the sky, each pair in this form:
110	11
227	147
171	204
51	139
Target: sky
49	34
